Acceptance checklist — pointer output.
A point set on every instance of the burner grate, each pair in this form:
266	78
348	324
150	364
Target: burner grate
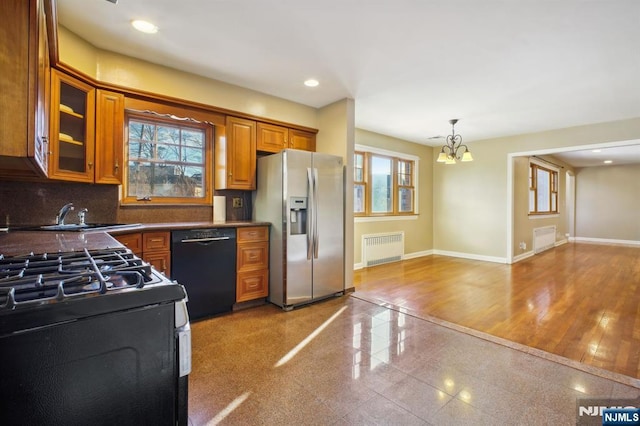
55	277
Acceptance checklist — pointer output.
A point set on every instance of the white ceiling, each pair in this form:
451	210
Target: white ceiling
502	67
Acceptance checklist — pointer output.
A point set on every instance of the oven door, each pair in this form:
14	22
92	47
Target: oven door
117	368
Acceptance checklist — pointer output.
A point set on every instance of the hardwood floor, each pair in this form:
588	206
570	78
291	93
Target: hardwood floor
580	301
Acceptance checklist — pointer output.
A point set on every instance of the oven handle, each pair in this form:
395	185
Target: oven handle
204	240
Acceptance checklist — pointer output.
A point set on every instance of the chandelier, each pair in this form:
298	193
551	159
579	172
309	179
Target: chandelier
449	153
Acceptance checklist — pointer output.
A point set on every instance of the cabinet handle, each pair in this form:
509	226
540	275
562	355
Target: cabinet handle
90	165
117	166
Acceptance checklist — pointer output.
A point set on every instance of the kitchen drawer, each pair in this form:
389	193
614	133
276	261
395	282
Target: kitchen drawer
131	241
252	256
252	285
253	233
156	241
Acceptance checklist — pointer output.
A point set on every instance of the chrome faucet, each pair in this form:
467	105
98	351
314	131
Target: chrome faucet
63	213
81	215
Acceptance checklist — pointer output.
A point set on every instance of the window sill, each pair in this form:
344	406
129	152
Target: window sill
363	219
544	216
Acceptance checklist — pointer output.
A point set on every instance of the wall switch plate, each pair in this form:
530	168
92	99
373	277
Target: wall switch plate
237	202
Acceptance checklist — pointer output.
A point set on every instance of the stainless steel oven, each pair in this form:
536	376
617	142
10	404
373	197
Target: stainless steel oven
91	337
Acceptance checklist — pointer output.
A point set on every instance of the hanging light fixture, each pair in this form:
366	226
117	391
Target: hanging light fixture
449	153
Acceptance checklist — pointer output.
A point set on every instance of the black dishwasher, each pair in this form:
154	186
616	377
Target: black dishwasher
204	262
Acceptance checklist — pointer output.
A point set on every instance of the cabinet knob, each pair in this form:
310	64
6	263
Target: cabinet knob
90	164
117	166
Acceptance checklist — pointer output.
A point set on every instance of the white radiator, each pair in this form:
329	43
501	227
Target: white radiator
382	248
544	238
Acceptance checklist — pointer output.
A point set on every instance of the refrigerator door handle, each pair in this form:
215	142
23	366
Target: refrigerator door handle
310	210
316	206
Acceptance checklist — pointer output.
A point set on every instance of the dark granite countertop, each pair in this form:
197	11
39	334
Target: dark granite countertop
169	226
24	242
18	242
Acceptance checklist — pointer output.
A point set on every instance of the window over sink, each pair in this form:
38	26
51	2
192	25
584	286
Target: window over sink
168	159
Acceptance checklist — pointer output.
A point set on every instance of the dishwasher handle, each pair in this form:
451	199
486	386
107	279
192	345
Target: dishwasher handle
204	240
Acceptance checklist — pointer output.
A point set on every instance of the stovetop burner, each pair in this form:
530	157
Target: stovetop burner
56	277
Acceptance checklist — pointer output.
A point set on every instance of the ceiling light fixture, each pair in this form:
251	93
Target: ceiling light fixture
144	26
449	152
311	83
608	161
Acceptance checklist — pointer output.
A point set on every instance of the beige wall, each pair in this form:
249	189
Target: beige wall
336	136
471	200
113	68
608	202
523	224
417	233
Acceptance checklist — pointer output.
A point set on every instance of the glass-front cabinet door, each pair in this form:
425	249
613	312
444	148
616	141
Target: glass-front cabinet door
72	136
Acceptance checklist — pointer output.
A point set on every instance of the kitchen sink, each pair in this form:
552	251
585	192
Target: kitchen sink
79	227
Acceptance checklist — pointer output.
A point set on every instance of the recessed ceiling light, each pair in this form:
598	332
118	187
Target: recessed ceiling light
144	26
311	83
596	150
608	161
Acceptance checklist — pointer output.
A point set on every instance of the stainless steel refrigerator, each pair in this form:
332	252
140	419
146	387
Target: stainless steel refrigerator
301	194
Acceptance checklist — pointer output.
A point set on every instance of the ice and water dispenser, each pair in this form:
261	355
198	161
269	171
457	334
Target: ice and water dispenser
298	215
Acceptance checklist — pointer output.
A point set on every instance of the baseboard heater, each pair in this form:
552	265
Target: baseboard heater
544	238
382	248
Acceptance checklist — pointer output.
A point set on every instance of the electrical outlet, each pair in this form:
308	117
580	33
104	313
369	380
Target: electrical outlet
523	245
237	202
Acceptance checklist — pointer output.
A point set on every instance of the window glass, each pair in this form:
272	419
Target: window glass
381	171
165	160
405	200
543	186
358	198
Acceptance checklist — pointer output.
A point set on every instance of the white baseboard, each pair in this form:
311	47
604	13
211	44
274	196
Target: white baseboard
561	242
522	256
471	256
606	241
357	266
417	254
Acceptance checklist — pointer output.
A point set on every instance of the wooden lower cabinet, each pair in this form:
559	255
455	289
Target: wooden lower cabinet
131	241
252	280
152	247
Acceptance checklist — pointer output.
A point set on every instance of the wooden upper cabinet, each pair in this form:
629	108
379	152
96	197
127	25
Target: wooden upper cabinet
72	129
299	139
24	88
272	138
235	155
109	155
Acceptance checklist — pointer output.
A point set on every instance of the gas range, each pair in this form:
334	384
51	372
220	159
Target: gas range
93	330
48	278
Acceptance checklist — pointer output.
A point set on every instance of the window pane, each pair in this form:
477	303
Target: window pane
358	175
532	201
193	138
405	200
165	161
168	152
168	134
554	202
381	169
358	198
192	155
543	187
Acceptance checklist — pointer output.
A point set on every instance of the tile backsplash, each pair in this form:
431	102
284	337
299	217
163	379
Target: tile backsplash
38	203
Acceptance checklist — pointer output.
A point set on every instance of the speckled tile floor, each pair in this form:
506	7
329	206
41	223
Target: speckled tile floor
347	361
